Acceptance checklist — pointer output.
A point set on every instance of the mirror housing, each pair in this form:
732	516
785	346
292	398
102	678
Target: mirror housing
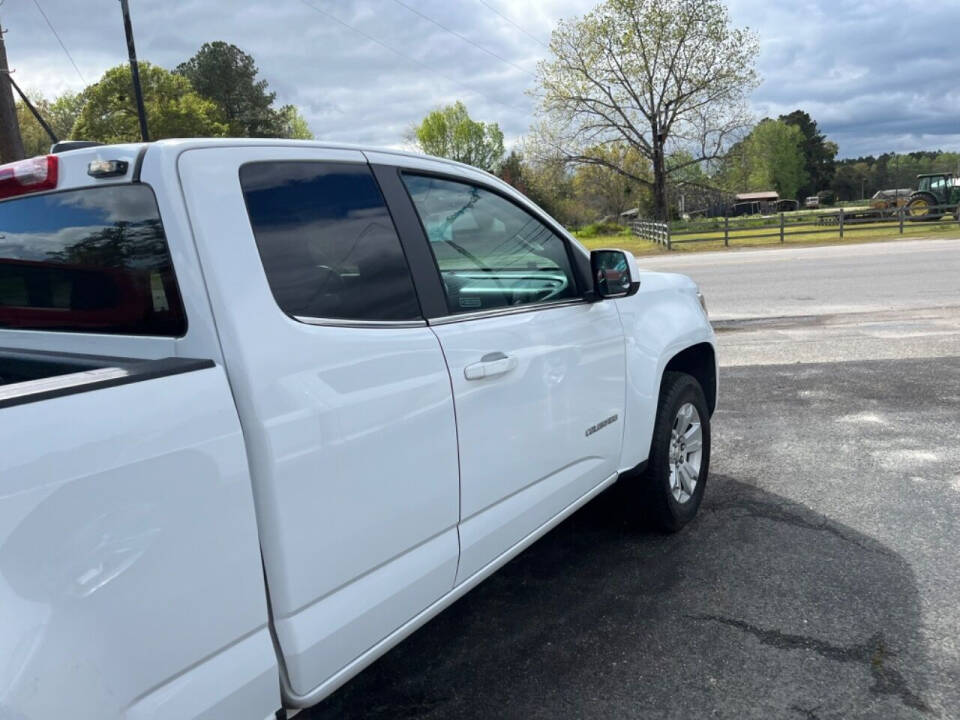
615	274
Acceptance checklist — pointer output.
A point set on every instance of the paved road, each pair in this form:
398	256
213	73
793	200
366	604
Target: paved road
841	303
816	280
820	580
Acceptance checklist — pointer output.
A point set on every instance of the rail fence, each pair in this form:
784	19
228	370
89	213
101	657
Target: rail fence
788	225
651	230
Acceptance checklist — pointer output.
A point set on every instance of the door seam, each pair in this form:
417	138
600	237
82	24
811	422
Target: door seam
456	431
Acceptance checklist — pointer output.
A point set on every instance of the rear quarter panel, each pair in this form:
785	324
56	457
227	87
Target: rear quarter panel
129	560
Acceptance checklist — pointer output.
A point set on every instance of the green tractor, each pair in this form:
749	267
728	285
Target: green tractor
933	190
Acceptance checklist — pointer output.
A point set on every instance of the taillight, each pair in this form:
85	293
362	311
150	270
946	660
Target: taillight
27	176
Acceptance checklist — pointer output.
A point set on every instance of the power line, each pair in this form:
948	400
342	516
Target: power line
528	34
463	37
426	67
60	40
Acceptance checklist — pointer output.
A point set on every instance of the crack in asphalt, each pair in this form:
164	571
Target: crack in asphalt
873	653
777	513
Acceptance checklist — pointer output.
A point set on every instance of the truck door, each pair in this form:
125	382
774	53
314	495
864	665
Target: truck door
538	372
343	396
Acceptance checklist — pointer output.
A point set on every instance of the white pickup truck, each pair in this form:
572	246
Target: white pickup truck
267	407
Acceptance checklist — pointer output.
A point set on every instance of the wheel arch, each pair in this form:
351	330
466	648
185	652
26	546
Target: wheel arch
699	361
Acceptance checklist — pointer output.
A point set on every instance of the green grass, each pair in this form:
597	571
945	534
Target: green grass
638	246
747	237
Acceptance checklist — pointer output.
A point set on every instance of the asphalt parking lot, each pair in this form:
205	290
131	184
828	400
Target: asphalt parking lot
820	580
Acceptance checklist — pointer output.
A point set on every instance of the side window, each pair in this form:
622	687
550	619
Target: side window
327	242
88	260
490	252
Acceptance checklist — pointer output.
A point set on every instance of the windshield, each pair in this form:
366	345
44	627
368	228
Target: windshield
88	260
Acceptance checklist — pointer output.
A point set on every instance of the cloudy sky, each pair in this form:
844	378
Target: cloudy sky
877	75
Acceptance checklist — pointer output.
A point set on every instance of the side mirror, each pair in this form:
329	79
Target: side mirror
615	273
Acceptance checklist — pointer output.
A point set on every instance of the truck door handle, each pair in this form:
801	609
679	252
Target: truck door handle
491	364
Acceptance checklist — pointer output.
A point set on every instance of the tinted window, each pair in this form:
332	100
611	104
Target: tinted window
327	242
490	252
88	260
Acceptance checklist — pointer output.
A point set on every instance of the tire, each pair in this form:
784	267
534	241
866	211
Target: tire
670	503
919	208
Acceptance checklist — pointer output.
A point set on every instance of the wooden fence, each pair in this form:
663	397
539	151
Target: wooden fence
791	225
651	230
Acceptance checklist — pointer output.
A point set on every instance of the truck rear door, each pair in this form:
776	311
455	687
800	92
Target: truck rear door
343	395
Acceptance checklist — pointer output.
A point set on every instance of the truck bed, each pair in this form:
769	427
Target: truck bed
29	376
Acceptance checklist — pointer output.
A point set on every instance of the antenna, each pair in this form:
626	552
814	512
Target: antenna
134	70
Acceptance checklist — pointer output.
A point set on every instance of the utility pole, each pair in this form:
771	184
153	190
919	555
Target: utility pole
11	144
134	71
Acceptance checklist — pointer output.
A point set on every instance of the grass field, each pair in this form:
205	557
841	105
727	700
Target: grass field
748	237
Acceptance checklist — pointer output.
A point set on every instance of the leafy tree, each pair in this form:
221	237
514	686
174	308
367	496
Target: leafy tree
770	157
60	115
449	132
776	157
292	125
513	169
549	183
654	74
225	74
173	108
818	153
609	192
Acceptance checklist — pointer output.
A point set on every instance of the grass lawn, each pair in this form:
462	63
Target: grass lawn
872	232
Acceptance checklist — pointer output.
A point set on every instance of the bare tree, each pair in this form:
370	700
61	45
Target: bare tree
659	75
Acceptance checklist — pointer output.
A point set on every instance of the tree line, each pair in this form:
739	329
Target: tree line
215	93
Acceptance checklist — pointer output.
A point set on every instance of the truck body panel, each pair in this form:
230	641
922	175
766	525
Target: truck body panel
351	437
128	548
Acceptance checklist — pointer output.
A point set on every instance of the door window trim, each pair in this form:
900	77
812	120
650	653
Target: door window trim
446	316
337	322
509	310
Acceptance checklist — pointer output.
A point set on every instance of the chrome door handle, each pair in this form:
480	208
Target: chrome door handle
490	365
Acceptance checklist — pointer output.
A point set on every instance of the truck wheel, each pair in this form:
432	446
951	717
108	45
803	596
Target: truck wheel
679	454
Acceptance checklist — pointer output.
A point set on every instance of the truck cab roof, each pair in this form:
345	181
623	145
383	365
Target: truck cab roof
75	161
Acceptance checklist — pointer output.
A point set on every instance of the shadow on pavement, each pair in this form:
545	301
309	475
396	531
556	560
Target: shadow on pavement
760	608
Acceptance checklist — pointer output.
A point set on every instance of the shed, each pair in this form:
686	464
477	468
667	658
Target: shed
765	196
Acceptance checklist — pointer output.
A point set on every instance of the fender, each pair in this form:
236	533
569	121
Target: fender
661	320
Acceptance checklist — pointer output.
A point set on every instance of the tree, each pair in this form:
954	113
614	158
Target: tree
225	74
513	171
818	153
60	115
609	192
653	74
775	152
770	157
173	108
449	132
292	125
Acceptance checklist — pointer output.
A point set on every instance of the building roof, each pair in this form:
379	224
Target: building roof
765	195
